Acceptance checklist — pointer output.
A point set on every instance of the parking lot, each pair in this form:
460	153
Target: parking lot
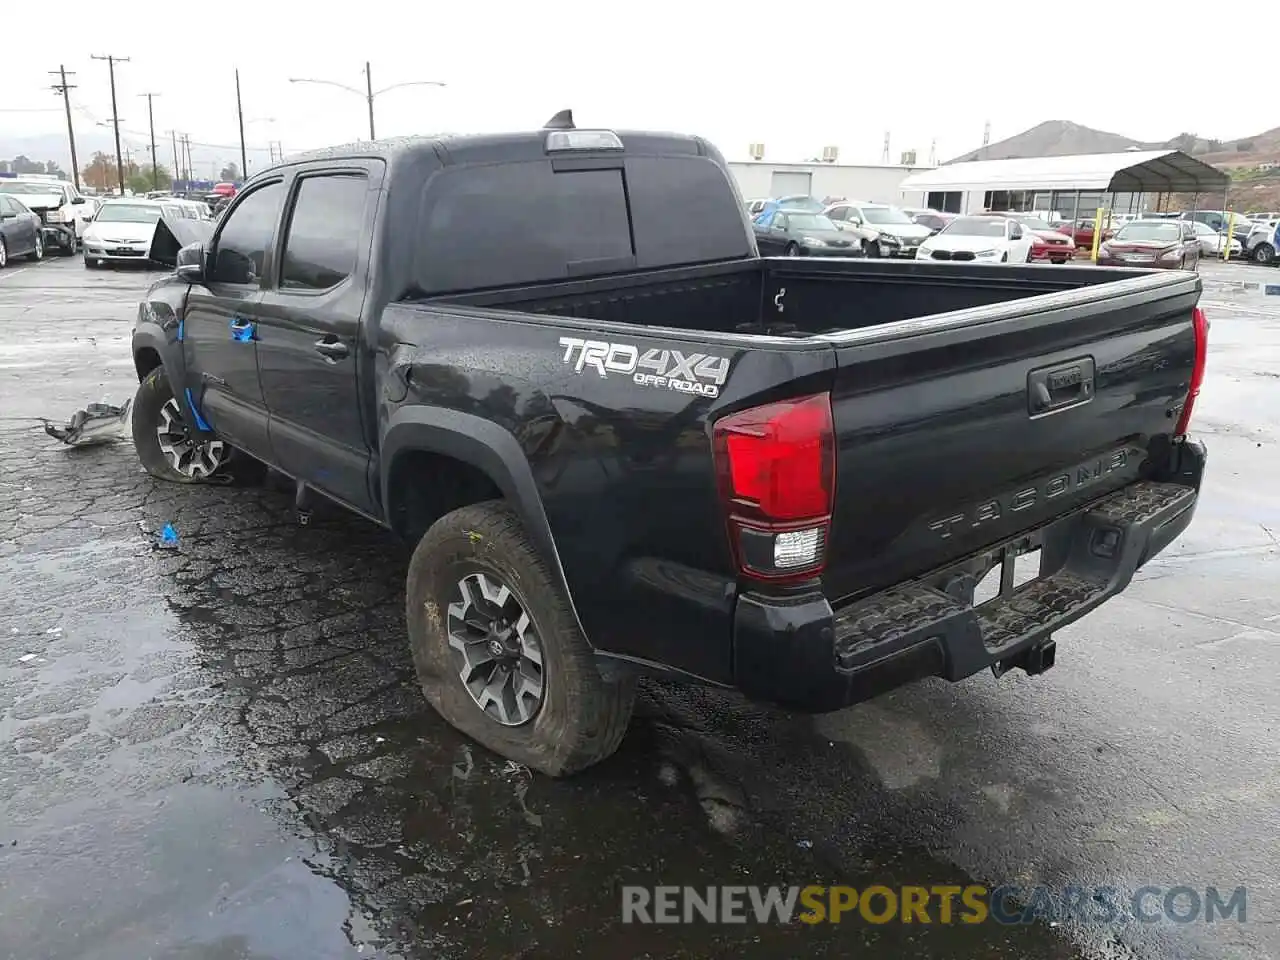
220	752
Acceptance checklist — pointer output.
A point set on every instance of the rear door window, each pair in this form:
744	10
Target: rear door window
324	232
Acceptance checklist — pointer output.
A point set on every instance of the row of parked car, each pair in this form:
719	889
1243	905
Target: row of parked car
806	226
44	214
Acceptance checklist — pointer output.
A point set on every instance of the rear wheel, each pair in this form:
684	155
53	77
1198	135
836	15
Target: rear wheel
792	250
1004	257
871	248
38	253
168	449
1264	253
4	254
498	650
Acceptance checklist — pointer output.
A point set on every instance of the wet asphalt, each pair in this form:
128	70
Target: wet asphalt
219	752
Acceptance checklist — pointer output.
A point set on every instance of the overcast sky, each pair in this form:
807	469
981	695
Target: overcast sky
794	75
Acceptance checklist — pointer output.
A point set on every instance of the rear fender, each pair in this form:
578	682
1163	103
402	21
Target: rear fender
487	447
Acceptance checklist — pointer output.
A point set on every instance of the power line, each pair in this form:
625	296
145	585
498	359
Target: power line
64	89
115	112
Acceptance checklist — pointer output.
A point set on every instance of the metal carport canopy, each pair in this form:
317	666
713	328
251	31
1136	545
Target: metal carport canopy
1151	171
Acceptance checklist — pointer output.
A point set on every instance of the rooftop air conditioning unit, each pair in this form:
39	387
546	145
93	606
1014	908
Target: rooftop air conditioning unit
756	150
908	158
829	154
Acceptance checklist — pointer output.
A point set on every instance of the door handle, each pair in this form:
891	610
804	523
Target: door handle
332	349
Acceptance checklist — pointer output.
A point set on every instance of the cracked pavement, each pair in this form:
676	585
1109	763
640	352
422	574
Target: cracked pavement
220	752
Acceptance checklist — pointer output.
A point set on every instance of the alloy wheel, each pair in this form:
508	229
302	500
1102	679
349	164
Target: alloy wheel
190	457
496	649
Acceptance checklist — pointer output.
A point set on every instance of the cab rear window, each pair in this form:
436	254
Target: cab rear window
520	223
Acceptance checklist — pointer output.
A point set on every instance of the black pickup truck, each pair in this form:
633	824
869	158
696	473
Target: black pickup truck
623	443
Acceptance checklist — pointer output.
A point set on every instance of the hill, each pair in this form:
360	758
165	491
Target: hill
1054	138
1062	138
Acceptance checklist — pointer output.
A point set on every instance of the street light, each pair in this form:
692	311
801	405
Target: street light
368	93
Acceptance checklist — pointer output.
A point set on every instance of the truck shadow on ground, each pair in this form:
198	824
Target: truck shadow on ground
289	666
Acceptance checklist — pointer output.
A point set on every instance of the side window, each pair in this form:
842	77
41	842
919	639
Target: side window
839	213
779	221
5	207
320	246
246	234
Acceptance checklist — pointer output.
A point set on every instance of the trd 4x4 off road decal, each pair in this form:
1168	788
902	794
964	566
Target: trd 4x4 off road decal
664	369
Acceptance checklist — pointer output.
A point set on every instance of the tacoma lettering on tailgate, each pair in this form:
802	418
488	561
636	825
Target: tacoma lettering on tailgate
1051	487
658	368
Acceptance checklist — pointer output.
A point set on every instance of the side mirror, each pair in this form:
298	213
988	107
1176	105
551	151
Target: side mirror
78	200
855	221
191	262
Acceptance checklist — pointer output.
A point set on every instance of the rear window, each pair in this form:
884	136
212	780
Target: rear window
521	223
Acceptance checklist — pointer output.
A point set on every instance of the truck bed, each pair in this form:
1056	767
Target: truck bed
821	296
930	369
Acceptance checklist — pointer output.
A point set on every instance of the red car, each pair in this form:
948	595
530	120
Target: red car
1047	244
1082	232
1163	244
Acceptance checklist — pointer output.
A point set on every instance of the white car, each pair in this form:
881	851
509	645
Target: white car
1264	240
121	232
882	230
62	210
985	239
1211	242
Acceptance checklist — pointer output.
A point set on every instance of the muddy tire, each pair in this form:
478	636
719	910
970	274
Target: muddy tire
579	718
165	448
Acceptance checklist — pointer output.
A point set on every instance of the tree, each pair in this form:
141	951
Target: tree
230	172
141	181
100	174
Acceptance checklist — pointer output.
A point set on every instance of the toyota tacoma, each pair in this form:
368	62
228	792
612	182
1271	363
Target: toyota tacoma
622	443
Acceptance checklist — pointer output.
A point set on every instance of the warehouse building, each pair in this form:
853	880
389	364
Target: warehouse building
880	183
1128	182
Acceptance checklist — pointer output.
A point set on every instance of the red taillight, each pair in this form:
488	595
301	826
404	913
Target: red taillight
776	466
1201	326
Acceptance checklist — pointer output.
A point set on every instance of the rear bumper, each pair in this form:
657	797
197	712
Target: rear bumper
801	653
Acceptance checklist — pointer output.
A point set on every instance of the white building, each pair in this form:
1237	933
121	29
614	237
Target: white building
760	178
1132	181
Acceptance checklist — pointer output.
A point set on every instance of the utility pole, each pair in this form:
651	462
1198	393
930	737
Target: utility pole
173	136
151	120
63	89
244	162
368	87
115	114
186	146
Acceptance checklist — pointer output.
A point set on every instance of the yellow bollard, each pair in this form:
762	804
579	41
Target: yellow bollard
1097	233
1231	233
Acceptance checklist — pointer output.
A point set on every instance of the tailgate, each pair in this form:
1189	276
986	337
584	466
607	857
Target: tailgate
957	431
